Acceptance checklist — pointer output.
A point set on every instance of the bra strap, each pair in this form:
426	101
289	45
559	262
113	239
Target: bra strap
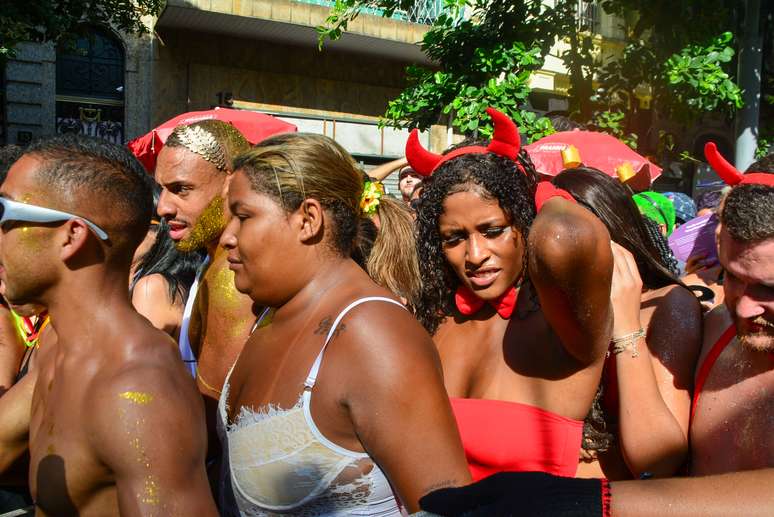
312	377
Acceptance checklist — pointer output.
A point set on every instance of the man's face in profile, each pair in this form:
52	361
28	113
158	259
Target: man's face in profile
749	289
27	261
191	197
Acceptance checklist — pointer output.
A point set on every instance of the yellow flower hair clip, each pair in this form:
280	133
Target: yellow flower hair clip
372	193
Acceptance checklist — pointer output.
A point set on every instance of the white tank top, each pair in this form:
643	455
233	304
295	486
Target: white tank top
183	342
276	461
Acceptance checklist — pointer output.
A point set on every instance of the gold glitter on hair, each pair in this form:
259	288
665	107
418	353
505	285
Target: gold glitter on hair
200	141
137	397
214	140
207	228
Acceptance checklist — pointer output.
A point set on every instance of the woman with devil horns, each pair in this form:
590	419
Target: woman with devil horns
517	292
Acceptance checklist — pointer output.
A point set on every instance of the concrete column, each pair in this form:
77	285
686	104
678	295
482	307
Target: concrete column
749	73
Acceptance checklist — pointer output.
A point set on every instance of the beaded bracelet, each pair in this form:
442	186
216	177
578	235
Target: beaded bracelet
628	341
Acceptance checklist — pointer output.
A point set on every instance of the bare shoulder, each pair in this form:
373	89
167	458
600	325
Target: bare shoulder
716	322
675	308
151	287
142	396
385	341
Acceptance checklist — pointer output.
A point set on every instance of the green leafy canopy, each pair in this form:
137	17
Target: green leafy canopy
485	58
60	20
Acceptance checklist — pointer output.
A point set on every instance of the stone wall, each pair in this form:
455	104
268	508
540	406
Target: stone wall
30	92
190	69
31	89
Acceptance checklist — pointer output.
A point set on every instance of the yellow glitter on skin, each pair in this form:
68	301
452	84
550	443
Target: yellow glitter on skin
223	291
151	492
137	397
207	228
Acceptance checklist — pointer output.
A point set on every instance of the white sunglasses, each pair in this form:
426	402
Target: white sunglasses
23	212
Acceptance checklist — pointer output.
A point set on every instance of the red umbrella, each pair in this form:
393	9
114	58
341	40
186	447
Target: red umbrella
598	150
253	125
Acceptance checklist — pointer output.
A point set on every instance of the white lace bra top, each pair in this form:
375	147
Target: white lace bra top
277	462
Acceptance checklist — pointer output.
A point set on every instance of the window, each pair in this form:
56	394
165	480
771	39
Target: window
588	16
90	86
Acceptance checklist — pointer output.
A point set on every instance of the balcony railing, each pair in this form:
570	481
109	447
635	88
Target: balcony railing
423	12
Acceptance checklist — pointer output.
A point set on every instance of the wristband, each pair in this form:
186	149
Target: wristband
627	342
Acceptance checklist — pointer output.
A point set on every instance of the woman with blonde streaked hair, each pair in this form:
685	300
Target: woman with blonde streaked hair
338	406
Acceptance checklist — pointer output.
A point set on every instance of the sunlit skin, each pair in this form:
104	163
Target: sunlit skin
542	352
483	249
286	260
407	183
188	184
82	434
222	317
749	289
731	429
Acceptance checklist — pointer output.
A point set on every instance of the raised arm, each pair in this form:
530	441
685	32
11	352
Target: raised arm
398	404
571	266
385	169
654	384
148	428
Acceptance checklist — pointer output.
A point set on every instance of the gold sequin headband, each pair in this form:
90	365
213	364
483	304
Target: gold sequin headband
200	141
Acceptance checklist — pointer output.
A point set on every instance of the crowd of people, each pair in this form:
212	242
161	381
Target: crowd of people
262	330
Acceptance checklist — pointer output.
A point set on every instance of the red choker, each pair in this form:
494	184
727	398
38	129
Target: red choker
468	303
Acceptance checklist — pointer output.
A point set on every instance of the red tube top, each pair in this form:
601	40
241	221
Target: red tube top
508	436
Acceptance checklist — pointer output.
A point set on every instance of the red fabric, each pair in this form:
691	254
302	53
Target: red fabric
709	362
503	436
506	141
546	190
468	303
730	174
598	150
607	497
253	125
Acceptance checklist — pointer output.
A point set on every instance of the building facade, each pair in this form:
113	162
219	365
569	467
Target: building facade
251	54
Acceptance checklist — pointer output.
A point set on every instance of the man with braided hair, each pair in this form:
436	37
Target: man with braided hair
194	169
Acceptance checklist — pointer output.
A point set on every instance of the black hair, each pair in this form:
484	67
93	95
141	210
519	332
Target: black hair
661	243
99	172
494	177
163	258
612	203
748	213
364	243
765	164
9	154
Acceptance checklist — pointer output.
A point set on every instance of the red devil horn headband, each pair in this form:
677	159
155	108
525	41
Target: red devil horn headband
730	174
505	142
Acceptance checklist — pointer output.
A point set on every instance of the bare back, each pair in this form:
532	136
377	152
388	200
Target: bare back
117	426
734	416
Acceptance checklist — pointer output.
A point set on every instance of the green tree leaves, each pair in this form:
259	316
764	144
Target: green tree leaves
60	20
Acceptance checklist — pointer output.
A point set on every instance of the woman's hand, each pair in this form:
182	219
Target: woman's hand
625	292
698	262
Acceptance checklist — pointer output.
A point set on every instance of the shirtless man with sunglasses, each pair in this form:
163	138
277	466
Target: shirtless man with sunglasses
112	419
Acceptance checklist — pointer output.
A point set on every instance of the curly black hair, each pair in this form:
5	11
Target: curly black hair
493	177
748	213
